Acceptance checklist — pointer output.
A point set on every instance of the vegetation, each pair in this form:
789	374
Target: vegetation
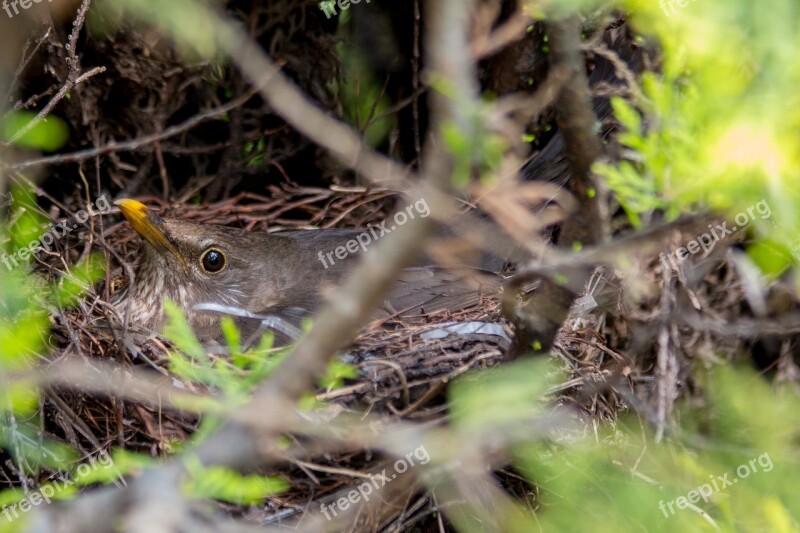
675	408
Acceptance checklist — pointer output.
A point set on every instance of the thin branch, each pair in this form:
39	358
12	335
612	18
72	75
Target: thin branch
540	318
138	143
24	62
510	31
74	77
576	121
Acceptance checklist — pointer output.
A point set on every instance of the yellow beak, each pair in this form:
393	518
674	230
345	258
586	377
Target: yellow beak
147	225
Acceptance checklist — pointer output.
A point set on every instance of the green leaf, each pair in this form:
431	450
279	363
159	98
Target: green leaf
336	373
73	284
96	469
227	485
48	135
233	339
180	333
501	397
626	114
21	439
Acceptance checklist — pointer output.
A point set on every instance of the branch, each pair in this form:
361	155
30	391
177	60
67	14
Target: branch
576	121
74	77
544	313
138	143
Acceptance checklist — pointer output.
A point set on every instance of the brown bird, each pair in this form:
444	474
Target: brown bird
262	280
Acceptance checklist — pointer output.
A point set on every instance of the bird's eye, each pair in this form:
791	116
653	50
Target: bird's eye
213	260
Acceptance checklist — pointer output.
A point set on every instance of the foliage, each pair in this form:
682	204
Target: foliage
228	485
717	127
621	480
235	377
48	135
720	121
363	98
26	302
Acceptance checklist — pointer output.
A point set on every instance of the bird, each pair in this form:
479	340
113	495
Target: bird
264	280
277	279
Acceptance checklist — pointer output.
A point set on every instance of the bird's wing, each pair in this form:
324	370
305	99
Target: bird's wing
429	289
418	291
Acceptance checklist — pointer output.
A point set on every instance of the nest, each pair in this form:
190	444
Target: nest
403	367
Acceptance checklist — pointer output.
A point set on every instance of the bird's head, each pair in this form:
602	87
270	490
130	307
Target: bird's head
192	263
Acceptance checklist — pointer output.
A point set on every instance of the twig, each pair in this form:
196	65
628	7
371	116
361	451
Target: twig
74	77
545	311
511	30
134	144
576	121
622	69
24	62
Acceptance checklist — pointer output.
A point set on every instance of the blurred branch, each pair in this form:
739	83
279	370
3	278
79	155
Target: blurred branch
540	318
132	384
303	114
576	121
508	32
